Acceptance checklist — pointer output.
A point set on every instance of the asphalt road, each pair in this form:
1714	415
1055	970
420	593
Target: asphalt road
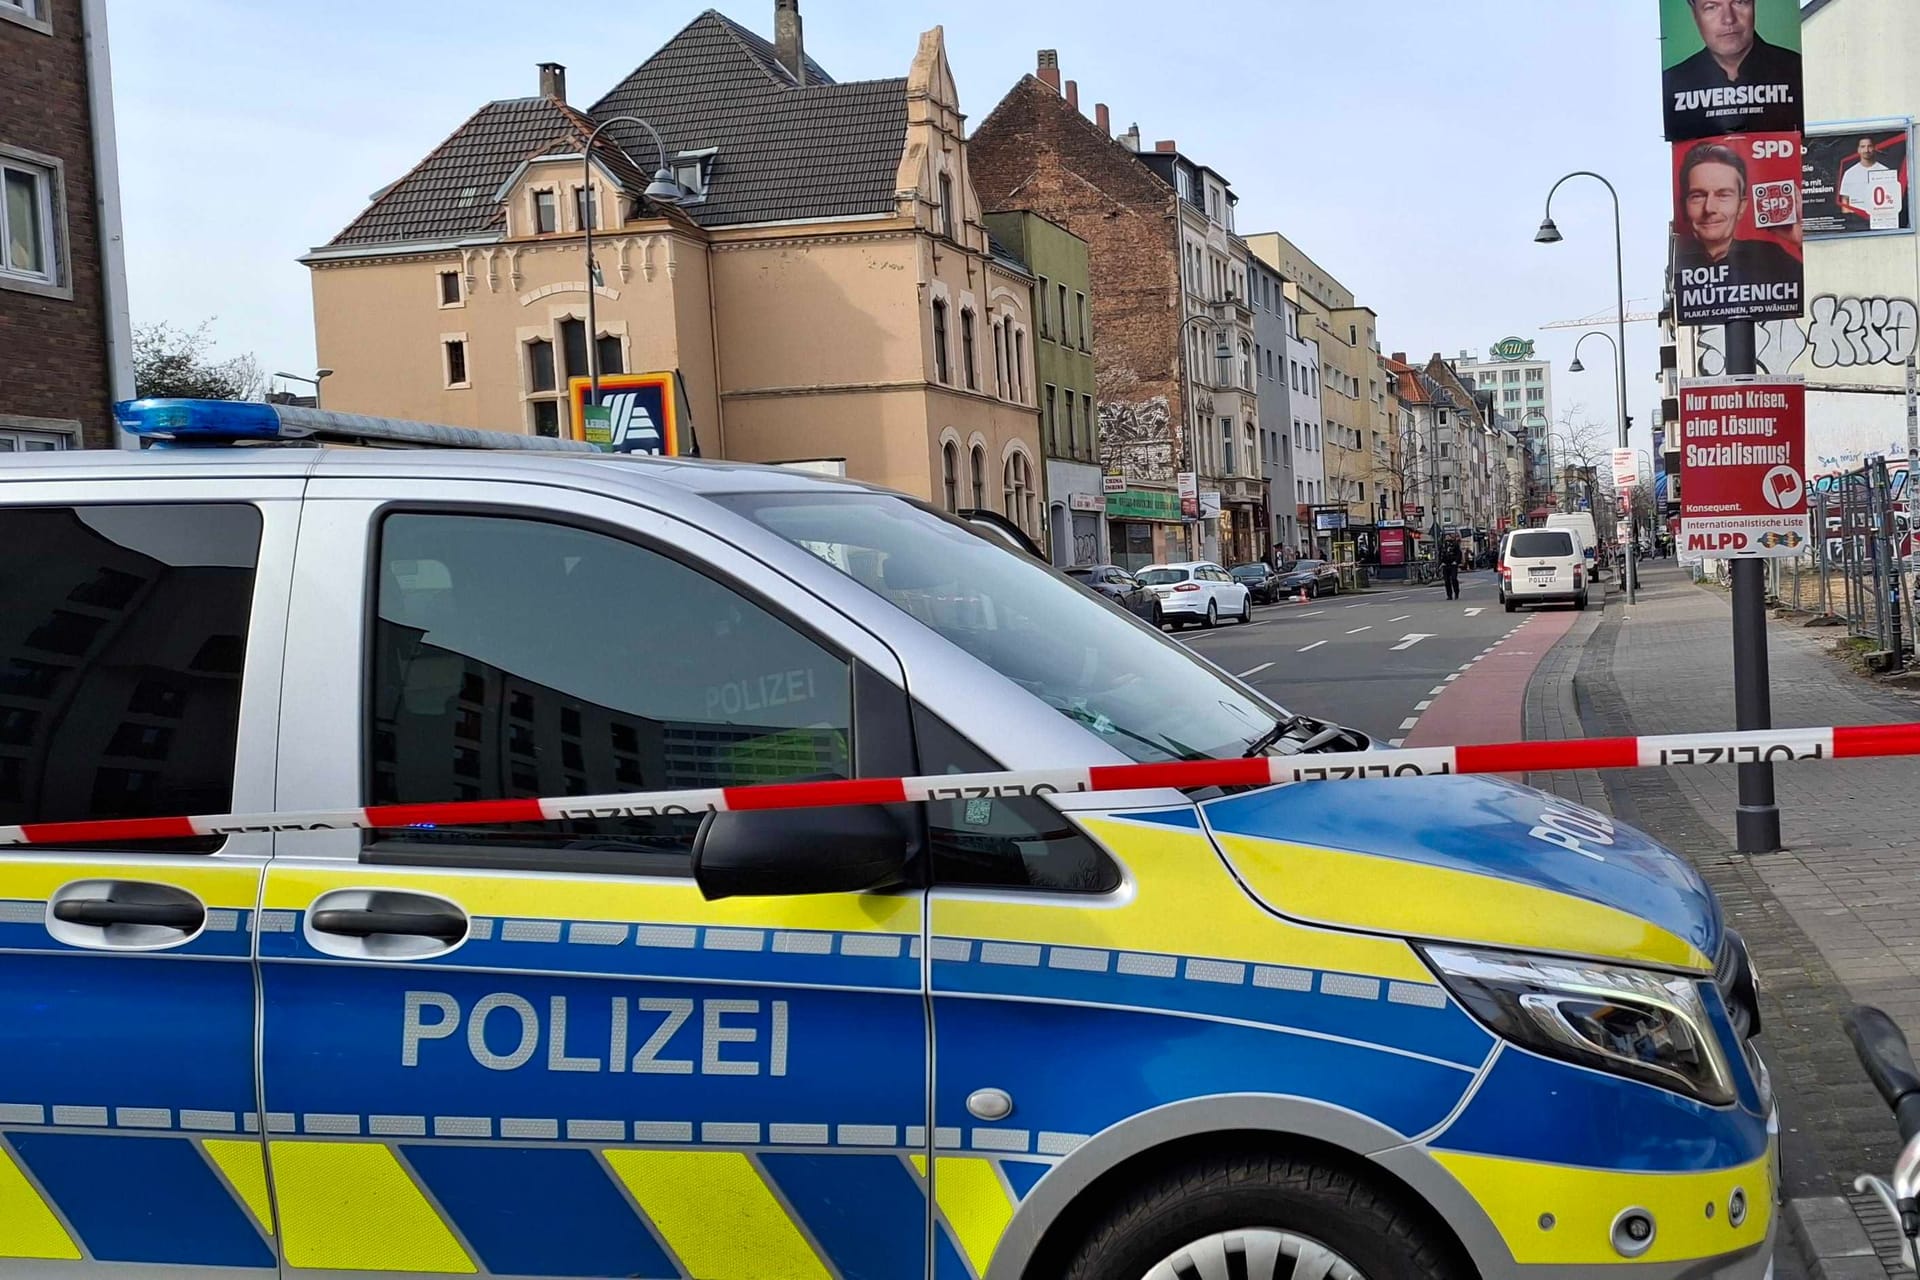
1371	660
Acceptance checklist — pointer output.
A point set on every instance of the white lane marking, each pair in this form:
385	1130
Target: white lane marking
1438	690
1455	676
1398	742
1357	630
1402	618
1315	645
1422	706
1409	722
1312	613
1254	671
1411	639
1471	613
1363	604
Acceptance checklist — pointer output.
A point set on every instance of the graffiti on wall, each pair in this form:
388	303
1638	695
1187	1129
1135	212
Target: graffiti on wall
1836	333
1137	439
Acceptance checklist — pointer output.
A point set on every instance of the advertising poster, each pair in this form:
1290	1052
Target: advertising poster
637	413
1731	66
1188	485
1626	468
1743	489
1854	178
1736	216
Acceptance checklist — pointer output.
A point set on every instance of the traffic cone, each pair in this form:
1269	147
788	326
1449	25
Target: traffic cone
1302	597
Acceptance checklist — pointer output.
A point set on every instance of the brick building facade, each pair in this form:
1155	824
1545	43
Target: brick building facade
63	317
1036	151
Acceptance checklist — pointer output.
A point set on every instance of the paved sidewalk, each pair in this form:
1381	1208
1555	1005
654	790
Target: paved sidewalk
1832	921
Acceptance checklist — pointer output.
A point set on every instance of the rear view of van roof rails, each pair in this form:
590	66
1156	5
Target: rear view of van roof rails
176	424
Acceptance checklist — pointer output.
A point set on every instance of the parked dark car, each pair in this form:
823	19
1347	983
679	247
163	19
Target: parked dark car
1260	581
1315	577
1119	586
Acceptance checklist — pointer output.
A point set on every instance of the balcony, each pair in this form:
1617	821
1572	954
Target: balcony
1232	307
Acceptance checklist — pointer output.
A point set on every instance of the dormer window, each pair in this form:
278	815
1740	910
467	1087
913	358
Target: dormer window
693	170
546	213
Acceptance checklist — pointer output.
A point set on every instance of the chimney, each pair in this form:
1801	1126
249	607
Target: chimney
788	45
1049	68
1400	357
553	81
1166	146
1101	118
1131	138
1073	94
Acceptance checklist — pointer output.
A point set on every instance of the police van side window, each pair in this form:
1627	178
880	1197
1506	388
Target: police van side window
518	658
1020	843
123	631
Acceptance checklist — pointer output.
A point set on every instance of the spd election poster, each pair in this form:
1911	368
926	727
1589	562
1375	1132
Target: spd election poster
1854	178
1736	214
1743	488
1731	66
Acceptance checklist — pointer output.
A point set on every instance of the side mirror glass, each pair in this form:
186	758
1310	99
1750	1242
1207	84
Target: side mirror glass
786	852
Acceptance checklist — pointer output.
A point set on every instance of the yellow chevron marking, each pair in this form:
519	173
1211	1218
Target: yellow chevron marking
28	1226
975	1204
246	1171
715	1212
919	1165
349	1206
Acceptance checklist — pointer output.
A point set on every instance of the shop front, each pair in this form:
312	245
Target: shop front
1075	503
1144	528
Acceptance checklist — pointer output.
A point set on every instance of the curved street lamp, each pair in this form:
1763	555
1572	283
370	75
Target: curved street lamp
1188	455
664	189
1550	234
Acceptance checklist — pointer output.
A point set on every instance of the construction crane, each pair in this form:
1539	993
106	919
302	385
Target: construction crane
1605	316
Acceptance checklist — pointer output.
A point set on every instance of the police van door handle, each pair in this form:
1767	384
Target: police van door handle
100	912
447	926
124	915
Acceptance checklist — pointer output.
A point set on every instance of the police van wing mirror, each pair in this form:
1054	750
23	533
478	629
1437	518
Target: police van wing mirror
787	852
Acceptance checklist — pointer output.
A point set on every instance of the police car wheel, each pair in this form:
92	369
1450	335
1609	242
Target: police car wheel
1265	1217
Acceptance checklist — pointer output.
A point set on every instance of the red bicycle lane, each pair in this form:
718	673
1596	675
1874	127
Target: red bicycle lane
1486	699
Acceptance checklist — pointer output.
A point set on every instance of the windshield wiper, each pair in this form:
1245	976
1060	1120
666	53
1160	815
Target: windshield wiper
1280	729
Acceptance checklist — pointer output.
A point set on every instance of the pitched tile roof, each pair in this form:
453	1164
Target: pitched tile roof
825	150
784	151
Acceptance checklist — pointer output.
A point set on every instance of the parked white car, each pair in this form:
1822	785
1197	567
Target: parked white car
1197	591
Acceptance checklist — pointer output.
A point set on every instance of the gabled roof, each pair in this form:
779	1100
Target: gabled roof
784	151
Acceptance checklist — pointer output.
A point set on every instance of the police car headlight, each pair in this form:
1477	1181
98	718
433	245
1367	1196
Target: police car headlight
1647	1026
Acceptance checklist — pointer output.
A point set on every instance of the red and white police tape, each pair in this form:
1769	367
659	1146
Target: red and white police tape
1685	749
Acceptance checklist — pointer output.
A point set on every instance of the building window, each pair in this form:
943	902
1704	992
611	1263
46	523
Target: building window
1017	490
1020	366
1226	446
449	282
1000	359
586	207
979	477
1040	298
573	346
540	365
967	361
546	214
1053	422
32	13
950	474
611	358
456	349
1080	305
30	239
1534	375
946	206
546	418
1066	318
941	370
1071	411
1535	395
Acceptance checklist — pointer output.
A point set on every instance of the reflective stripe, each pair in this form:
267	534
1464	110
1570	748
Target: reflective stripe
717	1215
246	1172
350	1206
28	1226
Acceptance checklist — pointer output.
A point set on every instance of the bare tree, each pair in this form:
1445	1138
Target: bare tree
172	362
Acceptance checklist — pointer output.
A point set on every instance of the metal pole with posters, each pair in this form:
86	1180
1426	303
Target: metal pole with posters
1737	169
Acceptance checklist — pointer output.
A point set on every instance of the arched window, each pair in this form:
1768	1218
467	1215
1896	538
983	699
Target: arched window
950	474
979	477
1017	490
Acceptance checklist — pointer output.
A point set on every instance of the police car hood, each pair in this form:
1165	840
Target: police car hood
1467	859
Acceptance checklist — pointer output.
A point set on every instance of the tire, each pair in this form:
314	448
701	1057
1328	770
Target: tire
1580	602
1213	615
1158	619
1511	606
1246	612
1148	1231
1313	591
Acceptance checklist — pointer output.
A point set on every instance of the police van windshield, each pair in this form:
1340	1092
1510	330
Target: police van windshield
1136	690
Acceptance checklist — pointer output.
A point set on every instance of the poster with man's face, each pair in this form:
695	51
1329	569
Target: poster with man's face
1732	66
1854	178
1736	217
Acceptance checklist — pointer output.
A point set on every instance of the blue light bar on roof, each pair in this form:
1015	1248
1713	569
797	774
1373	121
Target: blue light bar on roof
233	422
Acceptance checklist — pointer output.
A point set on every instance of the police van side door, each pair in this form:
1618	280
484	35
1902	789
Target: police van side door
140	647
536	1049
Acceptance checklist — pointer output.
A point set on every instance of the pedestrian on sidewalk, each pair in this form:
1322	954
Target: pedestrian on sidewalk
1450	566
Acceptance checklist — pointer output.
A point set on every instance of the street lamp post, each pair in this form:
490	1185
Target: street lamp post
664	189
1550	234
319	376
1189	459
1620	413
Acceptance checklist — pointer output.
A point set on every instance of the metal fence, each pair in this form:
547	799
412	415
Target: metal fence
1854	569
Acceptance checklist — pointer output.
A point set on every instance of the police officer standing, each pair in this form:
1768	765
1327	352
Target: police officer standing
1450	566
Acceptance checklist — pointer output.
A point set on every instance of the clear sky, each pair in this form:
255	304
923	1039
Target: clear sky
1407	145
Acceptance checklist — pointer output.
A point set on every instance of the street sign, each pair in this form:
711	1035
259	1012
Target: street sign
1111	483
1743	490
1412	512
